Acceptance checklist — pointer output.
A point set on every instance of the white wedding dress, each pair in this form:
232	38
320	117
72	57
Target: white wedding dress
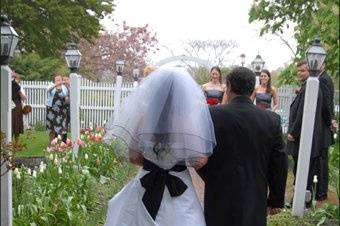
127	209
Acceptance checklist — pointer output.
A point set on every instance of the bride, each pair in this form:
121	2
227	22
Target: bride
167	127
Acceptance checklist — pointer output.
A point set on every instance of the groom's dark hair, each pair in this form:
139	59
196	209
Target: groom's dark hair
242	81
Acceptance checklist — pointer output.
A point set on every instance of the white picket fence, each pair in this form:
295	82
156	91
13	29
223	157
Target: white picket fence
96	101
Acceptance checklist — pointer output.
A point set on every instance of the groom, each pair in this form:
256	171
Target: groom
247	160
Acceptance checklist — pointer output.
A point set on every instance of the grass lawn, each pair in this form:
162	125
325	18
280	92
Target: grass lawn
35	141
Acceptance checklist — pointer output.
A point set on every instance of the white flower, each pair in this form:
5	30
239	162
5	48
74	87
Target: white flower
18	176
335	135
42	167
16	171
51	157
56	162
315	179
34	174
60	170
29	172
86	156
59	137
85	171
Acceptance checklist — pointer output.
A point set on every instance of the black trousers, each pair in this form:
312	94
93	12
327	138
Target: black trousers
322	173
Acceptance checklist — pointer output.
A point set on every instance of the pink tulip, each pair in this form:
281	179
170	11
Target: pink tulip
54	141
68	142
80	142
63	145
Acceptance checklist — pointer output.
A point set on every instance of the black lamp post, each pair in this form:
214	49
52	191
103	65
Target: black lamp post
316	56
135	73
257	64
119	67
243	59
73	57
9	40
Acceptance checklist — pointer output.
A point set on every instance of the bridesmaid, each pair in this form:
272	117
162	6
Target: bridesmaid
214	89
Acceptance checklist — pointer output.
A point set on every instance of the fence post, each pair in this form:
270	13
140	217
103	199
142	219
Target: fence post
74	111
6	127
307	129
117	96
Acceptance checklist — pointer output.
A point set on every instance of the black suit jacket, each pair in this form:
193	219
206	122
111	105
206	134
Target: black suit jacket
247	160
295	124
327	88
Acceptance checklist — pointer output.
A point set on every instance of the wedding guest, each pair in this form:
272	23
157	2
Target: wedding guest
214	89
18	97
295	126
329	124
55	113
265	94
247	160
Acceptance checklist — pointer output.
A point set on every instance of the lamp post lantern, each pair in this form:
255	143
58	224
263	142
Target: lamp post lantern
9	40
257	65
119	67
243	59
73	57
135	73
315	56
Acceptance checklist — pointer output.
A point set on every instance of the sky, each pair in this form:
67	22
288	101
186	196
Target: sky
178	21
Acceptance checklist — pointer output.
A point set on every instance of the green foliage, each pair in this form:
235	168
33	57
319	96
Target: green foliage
309	18
67	192
288	76
35	142
201	74
46	26
326	215
40	126
334	161
32	67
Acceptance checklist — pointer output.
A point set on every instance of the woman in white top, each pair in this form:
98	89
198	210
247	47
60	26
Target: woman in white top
55	114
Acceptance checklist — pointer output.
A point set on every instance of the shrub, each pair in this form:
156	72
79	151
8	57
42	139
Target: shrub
39	126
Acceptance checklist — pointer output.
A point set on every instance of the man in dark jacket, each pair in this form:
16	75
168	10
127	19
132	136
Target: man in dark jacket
247	160
327	88
295	124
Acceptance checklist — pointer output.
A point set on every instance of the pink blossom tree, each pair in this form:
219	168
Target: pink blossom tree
131	44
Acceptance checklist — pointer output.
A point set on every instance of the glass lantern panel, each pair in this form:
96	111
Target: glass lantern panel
5	45
315	60
14	45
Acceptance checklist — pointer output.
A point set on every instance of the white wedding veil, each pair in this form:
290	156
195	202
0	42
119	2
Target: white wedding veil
166	119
